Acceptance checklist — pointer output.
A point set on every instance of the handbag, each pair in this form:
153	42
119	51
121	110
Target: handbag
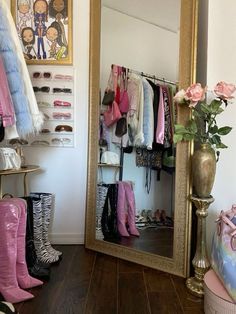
121	127
112	114
9	159
108	97
110	158
223	254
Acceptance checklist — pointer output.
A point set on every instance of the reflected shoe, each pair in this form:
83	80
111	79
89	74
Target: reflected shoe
7	308
39	273
121	214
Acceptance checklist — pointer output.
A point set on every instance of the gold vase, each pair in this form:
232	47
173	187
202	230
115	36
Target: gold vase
203	170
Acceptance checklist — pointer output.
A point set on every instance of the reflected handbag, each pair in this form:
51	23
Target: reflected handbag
9	159
112	114
223	254
148	158
108	97
121	127
110	158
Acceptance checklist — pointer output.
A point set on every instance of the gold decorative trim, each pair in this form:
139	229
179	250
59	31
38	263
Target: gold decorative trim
179	264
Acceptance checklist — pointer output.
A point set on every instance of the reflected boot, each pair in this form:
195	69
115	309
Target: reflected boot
9	222
48	202
25	281
131	208
121	213
36	268
109	220
40	248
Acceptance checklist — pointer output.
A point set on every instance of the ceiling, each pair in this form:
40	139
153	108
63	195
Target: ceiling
163	13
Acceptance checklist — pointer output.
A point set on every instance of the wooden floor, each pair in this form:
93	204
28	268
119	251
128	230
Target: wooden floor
86	282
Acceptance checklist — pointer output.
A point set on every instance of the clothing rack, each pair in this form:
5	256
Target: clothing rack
154	77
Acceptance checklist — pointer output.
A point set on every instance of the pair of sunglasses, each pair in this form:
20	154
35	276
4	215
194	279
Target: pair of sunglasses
63	128
46	75
61	115
57	140
63	77
61	103
44	89
62	90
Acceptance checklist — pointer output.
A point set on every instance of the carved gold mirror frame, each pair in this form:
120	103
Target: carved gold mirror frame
179	263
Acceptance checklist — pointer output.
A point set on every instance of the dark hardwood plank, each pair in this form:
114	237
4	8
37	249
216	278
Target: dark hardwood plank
75	288
132	297
189	302
49	293
102	295
128	267
161	293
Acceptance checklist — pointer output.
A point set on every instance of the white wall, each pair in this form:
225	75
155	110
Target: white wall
221	65
64	170
135	44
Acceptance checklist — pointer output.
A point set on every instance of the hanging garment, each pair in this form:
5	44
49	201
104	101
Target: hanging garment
156	95
14	77
12	36
160	130
6	105
168	130
148	115
135	93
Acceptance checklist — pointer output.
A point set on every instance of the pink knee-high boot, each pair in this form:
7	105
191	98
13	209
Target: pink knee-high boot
9	222
25	281
129	193
121	214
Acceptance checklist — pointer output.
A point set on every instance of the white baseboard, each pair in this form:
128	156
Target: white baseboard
66	238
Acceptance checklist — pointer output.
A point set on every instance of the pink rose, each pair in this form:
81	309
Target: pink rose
224	90
194	94
180	96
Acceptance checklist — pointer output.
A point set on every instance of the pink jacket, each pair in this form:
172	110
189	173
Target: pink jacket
6	105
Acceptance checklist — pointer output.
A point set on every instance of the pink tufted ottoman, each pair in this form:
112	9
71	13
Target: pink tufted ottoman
216	298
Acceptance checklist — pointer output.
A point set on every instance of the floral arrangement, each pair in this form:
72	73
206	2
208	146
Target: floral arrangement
202	126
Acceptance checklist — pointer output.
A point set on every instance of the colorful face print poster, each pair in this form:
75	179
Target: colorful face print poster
45	30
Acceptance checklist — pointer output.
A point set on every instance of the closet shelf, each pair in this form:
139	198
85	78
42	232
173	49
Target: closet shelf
109	165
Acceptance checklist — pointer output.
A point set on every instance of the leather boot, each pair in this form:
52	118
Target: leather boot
48	203
9	223
25	281
121	212
40	248
36	268
109	220
131	208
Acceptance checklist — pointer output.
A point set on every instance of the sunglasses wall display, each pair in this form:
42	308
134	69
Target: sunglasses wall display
54	91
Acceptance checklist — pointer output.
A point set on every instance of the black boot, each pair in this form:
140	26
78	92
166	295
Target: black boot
109	215
36	268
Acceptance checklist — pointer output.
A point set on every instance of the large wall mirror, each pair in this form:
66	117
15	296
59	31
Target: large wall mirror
138	185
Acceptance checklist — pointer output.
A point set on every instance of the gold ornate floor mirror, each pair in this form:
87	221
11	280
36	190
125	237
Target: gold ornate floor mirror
178	262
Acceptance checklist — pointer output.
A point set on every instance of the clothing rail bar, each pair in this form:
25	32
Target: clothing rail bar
151	76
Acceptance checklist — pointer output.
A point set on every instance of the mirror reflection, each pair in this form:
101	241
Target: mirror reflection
136	166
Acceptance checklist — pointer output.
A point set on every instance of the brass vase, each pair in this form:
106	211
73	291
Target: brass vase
203	170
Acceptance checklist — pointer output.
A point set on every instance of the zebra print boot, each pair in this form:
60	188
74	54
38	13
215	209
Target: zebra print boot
48	201
41	251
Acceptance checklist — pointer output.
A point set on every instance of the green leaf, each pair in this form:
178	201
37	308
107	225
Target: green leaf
215	105
216	139
219	110
192	126
224	130
179	129
221	145
205	108
188	137
213	129
177	138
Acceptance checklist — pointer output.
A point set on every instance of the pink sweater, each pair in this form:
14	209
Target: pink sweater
6	105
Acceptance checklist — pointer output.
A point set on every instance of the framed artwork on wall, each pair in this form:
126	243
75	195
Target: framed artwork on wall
45	30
